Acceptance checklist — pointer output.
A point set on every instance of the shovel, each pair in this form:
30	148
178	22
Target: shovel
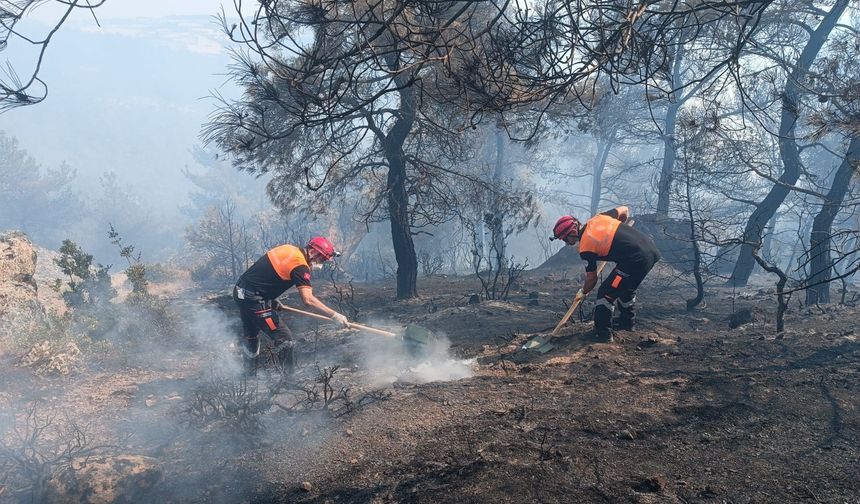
416	337
350	325
575	304
542	344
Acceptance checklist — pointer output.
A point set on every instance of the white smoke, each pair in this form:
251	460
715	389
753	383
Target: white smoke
388	360
215	334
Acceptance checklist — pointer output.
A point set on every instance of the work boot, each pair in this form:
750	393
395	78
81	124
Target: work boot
626	319
285	358
250	357
623	323
249	366
603	321
604	334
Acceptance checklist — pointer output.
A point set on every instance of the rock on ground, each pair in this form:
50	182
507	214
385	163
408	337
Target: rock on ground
104	480
46	359
20	309
47	273
741	317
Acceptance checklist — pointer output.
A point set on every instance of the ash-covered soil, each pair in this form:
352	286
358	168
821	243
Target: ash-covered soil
683	410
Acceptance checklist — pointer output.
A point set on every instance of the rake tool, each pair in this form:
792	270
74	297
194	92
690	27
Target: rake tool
416	337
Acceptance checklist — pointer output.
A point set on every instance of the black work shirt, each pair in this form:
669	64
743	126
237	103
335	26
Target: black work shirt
630	248
262	279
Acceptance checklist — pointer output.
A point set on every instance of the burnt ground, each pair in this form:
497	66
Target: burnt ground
682	410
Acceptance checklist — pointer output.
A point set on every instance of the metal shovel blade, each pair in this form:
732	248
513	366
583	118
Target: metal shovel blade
538	344
418	339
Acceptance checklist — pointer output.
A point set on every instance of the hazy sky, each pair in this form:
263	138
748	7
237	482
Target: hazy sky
129	96
118	9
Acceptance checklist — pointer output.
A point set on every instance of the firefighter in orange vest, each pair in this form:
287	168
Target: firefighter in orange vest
279	269
604	238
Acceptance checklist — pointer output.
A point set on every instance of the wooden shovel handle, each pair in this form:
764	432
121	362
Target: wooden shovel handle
282	307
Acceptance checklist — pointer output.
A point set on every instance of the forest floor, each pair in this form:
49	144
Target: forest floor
682	410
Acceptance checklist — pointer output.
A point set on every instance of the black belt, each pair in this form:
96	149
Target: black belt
242	292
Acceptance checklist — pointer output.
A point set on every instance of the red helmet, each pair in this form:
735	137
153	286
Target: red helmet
323	246
566	226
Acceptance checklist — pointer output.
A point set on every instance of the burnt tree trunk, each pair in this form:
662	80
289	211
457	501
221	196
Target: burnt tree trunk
664	187
497	220
666	171
803	227
697	253
788	149
604	145
398	198
820	263
767	247
781	297
227	213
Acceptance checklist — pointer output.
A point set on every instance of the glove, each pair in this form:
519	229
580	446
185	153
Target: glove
340	319
580	294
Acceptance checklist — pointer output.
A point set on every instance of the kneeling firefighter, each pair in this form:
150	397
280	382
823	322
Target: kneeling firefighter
279	269
603	238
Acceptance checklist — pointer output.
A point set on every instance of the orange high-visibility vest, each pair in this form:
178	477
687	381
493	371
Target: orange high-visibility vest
286	258
599	233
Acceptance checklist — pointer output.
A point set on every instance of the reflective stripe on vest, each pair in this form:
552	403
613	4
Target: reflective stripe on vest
285	259
598	236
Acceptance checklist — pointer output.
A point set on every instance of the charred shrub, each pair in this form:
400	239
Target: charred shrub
232	403
320	392
239	405
38	446
431	264
345	295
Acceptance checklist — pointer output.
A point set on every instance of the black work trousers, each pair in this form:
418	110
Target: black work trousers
620	285
257	315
